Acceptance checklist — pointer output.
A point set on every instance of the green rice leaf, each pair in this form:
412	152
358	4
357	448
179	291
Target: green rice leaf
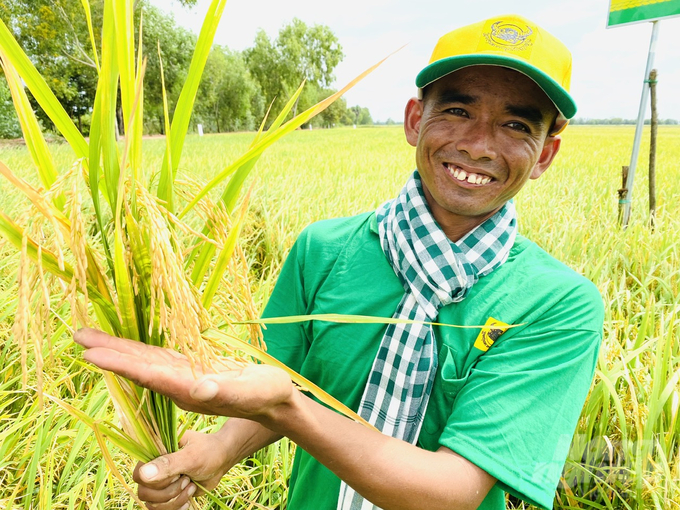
138	116
112	465
125	52
126	400
126	298
126	303
233	189
205	251
223	259
33	136
165	185
108	86
41	92
185	103
88	17
213	499
94	173
616	400
364	319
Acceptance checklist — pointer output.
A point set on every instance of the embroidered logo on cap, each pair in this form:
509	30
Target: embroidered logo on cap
511	36
488	336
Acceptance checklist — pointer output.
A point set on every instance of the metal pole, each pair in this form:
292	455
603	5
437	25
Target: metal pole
640	123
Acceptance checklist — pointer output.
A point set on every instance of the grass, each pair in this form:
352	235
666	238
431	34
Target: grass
625	453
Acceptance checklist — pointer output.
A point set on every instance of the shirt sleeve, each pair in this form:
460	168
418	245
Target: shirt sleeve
516	413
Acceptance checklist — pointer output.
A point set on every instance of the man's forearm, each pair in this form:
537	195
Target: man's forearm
388	472
242	438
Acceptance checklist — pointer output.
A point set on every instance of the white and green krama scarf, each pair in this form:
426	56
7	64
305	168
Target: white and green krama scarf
435	272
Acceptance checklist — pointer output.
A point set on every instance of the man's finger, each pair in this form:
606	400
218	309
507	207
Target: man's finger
165	494
92	338
130	366
181	502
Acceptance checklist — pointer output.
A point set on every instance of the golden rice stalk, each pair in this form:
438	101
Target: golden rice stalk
43	314
181	315
78	249
21	318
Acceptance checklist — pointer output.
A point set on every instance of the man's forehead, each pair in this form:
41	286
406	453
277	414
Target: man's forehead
471	84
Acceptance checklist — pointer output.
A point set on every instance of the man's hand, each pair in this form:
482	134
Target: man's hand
165	483
204	458
254	391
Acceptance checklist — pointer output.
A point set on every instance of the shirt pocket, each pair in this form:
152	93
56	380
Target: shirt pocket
447	385
450	378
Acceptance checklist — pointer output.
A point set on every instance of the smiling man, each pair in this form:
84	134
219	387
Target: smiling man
465	416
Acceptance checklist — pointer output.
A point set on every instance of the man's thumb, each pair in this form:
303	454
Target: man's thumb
205	389
150	472
167	468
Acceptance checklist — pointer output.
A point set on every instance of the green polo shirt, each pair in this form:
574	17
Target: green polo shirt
510	409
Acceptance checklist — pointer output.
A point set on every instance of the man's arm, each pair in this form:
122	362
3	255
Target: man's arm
388	472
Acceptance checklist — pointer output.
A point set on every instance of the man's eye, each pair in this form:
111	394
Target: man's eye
518	126
457	111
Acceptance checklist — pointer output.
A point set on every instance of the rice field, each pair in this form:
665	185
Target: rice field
625	453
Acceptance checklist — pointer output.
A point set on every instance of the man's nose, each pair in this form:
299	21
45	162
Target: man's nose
477	141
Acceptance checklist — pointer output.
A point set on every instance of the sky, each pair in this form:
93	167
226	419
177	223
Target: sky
608	68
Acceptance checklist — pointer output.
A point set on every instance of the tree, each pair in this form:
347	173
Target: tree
335	113
298	53
177	46
54	35
9	123
361	116
228	98
309	53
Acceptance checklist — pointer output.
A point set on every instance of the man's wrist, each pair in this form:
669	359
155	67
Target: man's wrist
238	438
288	416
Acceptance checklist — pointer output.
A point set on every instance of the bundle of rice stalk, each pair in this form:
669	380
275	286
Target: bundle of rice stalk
118	248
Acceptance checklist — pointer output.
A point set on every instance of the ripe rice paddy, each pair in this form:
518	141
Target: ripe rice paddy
626	448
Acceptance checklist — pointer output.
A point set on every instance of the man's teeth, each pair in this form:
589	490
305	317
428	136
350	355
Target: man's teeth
472	178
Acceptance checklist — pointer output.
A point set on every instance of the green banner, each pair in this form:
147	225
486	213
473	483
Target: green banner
622	12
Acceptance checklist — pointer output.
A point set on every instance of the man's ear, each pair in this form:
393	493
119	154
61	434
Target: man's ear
550	149
412	116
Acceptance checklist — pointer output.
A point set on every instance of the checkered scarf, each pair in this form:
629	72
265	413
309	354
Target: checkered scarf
434	272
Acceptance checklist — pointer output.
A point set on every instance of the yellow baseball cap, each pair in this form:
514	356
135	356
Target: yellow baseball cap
509	41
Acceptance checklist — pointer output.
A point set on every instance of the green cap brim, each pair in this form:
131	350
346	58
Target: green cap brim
558	95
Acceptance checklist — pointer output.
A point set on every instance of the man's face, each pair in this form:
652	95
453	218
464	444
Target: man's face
480	133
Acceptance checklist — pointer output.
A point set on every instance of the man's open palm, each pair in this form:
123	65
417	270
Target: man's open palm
246	392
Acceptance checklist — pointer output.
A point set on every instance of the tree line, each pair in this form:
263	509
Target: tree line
615	121
237	88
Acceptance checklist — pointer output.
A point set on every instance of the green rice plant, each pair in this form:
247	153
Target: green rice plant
109	240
